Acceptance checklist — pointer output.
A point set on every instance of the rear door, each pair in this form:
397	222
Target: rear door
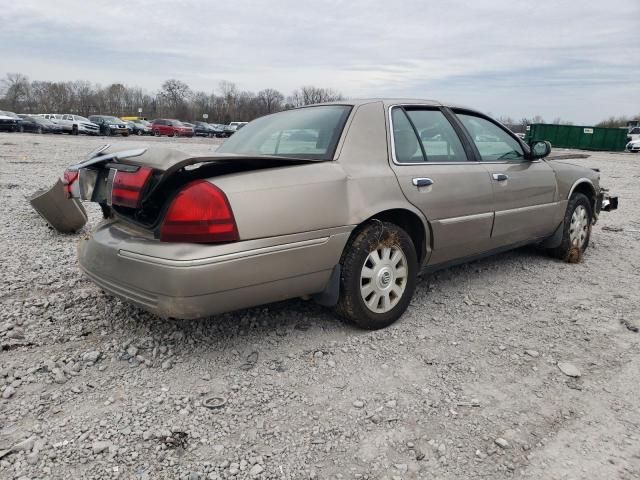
438	174
524	191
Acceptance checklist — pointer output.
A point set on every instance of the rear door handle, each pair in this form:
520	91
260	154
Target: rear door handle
422	182
500	177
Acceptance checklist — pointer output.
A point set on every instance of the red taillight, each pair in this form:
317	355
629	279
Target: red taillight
70	176
127	187
200	213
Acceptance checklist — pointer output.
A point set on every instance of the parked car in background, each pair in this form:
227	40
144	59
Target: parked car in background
633	134
633	146
65	125
202	129
37	124
242	227
171	128
139	127
81	124
218	129
232	128
9	121
110	125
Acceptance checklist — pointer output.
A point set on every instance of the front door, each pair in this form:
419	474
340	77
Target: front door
437	173
524	191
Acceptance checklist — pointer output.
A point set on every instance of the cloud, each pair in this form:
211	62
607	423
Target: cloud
510	57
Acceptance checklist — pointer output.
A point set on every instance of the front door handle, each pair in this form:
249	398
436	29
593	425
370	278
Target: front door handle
500	177
422	182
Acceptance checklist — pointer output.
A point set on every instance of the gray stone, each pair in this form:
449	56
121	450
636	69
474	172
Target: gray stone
256	470
358	403
8	392
91	357
501	442
25	445
99	447
569	369
58	375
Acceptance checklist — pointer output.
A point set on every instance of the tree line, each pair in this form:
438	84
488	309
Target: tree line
175	99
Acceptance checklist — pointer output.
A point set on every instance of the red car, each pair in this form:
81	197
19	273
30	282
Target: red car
171	128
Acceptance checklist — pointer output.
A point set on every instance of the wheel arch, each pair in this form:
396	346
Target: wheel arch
586	187
416	226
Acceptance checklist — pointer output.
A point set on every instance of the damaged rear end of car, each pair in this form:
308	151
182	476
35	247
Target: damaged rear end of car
170	242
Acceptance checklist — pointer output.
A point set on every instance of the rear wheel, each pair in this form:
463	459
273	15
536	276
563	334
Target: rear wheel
379	269
74	130
576	229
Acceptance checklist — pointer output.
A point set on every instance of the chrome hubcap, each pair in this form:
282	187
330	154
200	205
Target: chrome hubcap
383	278
579	227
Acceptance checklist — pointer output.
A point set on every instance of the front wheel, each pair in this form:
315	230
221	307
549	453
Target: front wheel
576	229
379	268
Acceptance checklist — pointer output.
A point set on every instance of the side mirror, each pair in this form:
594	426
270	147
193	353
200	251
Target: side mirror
539	149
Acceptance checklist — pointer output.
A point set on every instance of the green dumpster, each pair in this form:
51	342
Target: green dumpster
583	138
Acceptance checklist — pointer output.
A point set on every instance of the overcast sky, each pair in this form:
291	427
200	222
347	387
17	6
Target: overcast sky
578	60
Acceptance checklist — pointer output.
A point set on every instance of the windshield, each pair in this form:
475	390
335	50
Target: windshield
81	119
113	120
310	132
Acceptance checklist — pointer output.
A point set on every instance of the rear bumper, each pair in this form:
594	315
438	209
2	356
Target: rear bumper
194	281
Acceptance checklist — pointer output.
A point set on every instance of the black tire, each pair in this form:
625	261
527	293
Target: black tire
568	250
371	237
74	130
125	134
39	130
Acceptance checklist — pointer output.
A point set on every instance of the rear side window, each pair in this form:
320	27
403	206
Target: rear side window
405	142
310	132
422	134
492	142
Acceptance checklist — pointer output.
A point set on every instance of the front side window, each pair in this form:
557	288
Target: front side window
310	132
436	140
492	142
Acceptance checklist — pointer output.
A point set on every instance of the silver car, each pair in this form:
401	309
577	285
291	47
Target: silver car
345	202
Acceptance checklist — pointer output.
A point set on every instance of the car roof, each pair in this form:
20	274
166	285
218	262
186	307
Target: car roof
390	101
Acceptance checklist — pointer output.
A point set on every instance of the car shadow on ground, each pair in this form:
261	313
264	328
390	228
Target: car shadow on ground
241	328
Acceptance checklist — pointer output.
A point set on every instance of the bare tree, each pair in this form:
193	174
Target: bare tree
174	94
15	89
310	95
174	100
271	100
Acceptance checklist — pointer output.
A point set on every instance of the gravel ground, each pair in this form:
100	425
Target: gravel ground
468	384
